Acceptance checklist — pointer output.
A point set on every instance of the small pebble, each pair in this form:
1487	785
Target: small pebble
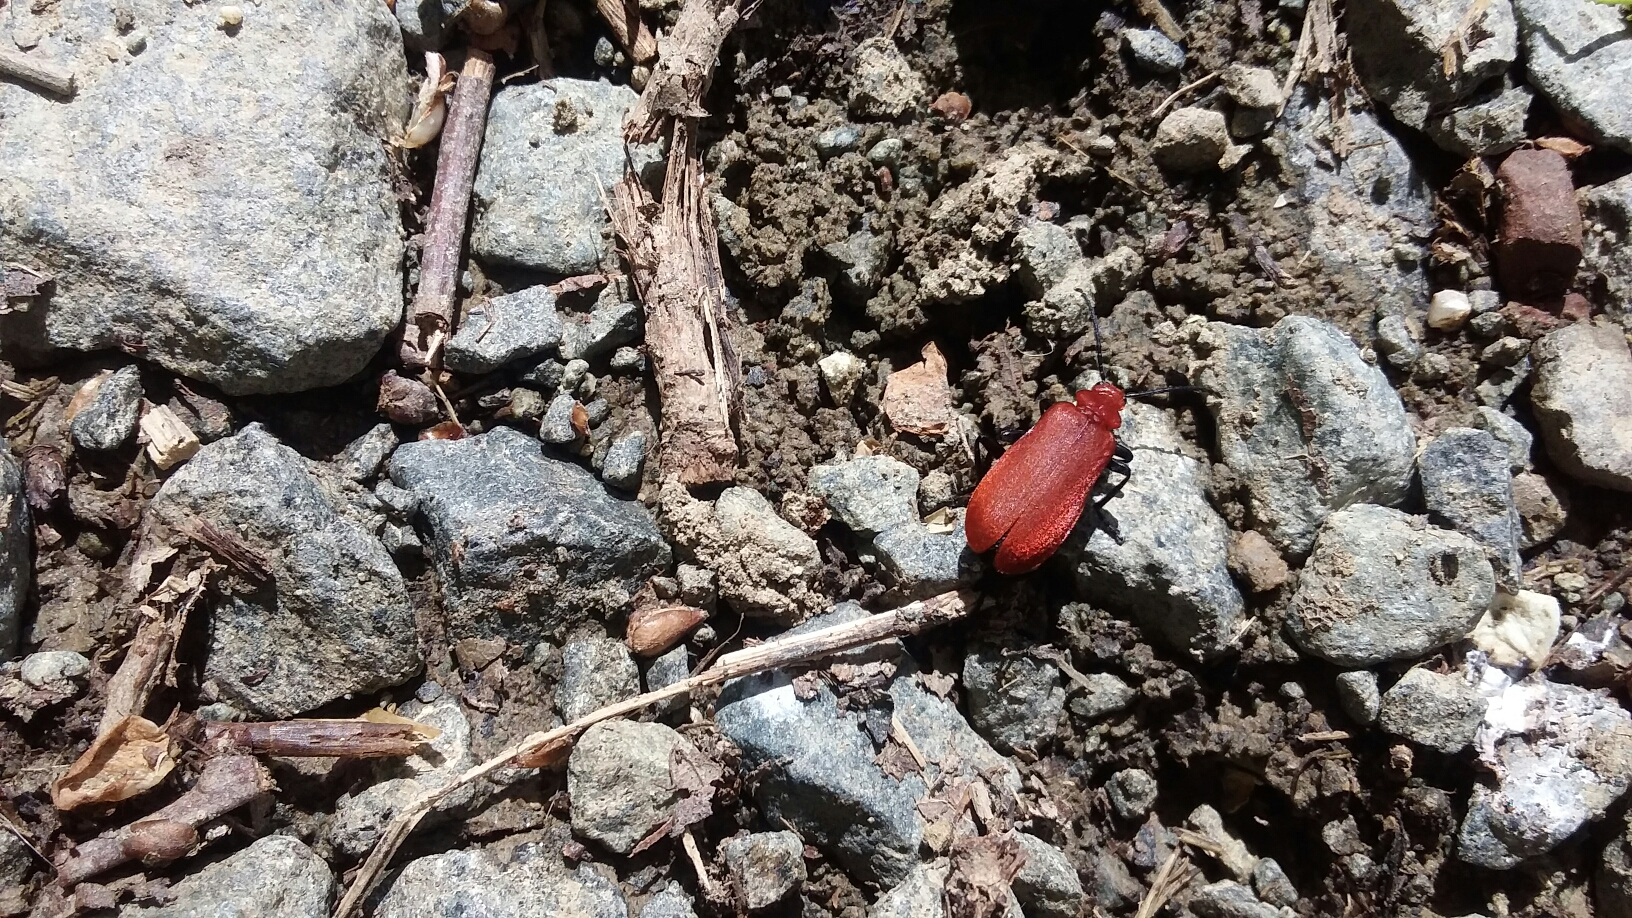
231	17
1132	792
1448	310
1357	693
1153	51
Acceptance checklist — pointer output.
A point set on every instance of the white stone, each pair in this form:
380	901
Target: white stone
841	371
1449	309
1518	630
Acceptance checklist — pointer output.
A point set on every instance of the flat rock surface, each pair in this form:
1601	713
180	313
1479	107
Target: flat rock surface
173	230
276	877
1583	373
463	884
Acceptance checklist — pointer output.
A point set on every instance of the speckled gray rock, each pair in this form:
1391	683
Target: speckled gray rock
1467	486
1154	52
868	494
826	780
1357	692
276	877
594	674
1256	92
1353	445
505	328
1440	711
1015	700
549	152
882	84
1399	55
556	425
1271	884
523	543
1132	792
618	777
918	563
1381	585
613	323
671	902
16	863
767	866
474	882
625	460
1580	59
1513	435
1229	899
359	817
1369	221
109	418
164	219
16	545
55	670
665	671
1561	756
837	140
1047	885
1582	373
861	259
334	592
1170	568
1104	695
423	23
1043	251
362	457
1487	123
1606	214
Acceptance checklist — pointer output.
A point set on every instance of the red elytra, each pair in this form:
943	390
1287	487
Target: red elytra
1033	494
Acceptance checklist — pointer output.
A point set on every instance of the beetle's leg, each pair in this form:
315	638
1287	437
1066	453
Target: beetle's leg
1118	464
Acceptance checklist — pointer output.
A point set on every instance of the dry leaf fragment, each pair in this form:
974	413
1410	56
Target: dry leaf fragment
655	629
129	759
1564	146
982	871
431	106
917	400
580	419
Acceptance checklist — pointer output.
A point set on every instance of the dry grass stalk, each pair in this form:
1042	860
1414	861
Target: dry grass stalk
430	322
674	256
354	739
36	72
910	619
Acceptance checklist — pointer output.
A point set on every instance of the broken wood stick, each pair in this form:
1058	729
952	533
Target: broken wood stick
430	320
225	784
547	745
674	256
37	72
623	17
150	660
355	739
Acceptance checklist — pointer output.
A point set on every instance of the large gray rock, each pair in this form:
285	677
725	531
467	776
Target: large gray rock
883	84
1399	54
1583	373
333	620
276	877
522	543
1381	585
918	562
476	884
1561	756
16	561
594	674
245	234
1168	562
505	328
1606	213
550	151
1580	58
620	783
1467	486
1369	212
824	777
1015	700
1305	424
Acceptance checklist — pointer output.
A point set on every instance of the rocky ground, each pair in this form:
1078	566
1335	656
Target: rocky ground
1352	640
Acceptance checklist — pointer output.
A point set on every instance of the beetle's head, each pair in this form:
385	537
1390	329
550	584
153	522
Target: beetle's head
1104	403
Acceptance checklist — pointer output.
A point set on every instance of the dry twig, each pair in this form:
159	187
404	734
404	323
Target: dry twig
1158	14
674	255
36	72
431	320
1182	91
150	660
548	745
623	16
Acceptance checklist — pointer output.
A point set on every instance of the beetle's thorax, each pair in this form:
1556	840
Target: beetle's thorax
1103	403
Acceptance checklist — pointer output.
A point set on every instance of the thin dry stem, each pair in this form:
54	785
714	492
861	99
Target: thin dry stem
909	619
36	72
623	17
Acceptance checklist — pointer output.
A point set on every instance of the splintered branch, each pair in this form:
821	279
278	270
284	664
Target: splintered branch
225	784
623	17
551	745
430	321
674	255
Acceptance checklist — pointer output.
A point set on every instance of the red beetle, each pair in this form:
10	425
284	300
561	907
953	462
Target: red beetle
1032	496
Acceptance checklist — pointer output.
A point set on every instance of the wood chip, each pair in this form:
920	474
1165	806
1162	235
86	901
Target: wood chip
169	440
918	400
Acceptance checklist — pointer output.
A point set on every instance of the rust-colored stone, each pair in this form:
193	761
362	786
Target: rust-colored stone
1538	244
408	401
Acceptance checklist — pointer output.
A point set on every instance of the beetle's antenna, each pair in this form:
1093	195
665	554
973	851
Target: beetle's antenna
1171	389
1099	345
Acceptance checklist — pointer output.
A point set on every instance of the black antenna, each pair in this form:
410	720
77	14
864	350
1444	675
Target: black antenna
1099	345
1146	392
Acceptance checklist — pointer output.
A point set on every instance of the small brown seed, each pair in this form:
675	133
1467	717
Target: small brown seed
159	841
655	629
953	106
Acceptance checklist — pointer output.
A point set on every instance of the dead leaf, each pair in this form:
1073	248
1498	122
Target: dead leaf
918	400
130	759
382	716
694	775
1564	146
580	419
939	683
981	875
